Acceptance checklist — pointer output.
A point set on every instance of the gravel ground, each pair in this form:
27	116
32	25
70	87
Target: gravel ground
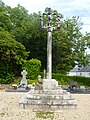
10	109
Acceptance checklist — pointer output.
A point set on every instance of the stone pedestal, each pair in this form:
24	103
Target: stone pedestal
50	95
49	84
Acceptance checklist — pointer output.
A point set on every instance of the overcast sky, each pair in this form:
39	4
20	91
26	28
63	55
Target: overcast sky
68	8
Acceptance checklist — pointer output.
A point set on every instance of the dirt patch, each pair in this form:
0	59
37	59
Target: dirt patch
4	86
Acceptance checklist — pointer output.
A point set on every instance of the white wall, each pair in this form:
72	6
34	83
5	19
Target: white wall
86	74
72	74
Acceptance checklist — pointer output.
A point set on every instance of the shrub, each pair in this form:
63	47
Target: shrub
32	81
7	78
32	67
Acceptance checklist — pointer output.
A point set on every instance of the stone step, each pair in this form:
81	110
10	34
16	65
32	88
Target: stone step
49	97
52	102
49	92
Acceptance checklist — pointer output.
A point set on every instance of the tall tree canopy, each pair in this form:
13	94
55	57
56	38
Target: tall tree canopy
11	53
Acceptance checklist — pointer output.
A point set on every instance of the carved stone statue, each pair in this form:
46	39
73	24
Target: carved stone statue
38	85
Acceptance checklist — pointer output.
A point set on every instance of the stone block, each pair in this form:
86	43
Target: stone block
49	84
65	97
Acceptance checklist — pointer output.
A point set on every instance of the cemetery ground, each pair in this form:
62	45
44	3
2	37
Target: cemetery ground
10	109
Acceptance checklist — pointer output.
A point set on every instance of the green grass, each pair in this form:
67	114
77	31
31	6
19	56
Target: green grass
45	115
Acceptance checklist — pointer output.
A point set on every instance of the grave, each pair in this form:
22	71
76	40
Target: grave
23	83
23	86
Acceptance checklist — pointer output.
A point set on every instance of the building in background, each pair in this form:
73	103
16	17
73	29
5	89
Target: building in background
80	71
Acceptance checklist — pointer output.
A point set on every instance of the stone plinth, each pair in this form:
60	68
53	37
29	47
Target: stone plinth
49	84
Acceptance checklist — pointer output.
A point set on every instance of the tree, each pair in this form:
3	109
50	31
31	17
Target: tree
5	21
11	54
68	42
68	45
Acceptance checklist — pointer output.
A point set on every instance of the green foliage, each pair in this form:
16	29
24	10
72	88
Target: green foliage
6	78
65	80
17	80
33	68
68	46
11	50
81	80
32	81
11	55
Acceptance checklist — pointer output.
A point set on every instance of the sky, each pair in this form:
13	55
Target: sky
68	8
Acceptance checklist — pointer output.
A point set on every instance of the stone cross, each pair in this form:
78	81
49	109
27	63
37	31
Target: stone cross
24	80
49	27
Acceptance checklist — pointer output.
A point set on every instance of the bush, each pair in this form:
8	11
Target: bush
6	75
32	67
65	80
32	81
7	78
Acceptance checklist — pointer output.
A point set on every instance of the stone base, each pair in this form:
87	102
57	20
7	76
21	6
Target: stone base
57	98
17	90
49	84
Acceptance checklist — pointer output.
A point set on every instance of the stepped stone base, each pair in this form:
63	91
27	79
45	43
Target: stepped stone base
53	98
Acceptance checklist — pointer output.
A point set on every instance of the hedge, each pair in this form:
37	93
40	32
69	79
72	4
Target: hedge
65	80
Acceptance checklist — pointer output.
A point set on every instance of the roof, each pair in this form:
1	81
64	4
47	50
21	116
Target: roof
75	69
85	69
81	69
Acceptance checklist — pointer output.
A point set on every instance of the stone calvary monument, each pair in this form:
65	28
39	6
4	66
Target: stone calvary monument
49	93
